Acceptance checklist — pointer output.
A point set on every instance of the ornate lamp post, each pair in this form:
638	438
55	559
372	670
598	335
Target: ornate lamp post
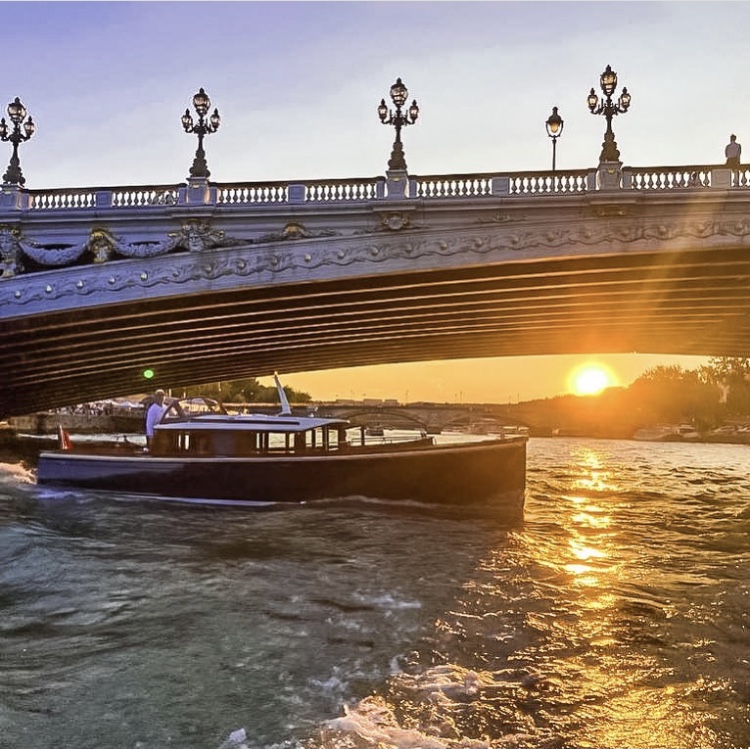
201	104
608	83
398	119
554	127
17	115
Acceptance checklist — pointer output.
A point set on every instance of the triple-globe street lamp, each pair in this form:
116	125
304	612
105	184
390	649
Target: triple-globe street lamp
398	119
17	116
609	108
554	125
204	126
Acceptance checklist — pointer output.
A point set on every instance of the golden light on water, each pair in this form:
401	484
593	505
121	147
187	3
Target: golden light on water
585	552
589	520
567	628
591	378
624	709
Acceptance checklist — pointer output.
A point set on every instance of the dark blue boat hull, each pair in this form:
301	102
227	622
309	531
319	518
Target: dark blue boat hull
443	474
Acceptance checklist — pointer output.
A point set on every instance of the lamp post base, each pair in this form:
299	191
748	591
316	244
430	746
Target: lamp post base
609	175
397	162
197	191
397	181
14	175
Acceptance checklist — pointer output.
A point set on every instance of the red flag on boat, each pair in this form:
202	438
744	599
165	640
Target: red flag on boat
64	438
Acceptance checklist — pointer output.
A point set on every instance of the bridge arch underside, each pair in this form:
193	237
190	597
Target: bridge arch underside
690	302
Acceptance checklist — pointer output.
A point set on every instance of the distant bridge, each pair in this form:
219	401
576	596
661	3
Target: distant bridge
431	417
201	282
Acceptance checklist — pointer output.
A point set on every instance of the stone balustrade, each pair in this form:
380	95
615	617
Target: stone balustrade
455	186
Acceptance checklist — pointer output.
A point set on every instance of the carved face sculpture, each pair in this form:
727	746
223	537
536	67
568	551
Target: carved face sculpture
195	236
100	245
294	231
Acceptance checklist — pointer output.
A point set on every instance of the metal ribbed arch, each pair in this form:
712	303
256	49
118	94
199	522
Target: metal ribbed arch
686	303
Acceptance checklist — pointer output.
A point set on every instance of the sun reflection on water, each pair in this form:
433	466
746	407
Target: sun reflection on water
562	637
591	641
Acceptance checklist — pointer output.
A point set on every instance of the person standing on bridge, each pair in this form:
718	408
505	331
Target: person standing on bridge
732	152
154	412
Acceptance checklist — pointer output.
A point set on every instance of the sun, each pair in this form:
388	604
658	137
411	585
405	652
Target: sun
590	378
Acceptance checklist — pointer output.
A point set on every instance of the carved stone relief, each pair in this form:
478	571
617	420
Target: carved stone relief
295	230
395	220
11	262
255	260
195	235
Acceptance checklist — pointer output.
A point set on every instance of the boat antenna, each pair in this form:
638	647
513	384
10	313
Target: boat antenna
285	408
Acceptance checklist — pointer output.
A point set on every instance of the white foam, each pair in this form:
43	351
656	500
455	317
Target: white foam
17	472
236	740
372	723
387	601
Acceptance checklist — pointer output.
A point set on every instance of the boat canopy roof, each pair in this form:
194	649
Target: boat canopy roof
205	414
249	423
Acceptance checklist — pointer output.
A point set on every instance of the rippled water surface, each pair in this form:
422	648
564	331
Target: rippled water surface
615	615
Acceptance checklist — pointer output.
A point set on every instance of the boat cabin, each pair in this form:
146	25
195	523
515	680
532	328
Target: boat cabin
202	428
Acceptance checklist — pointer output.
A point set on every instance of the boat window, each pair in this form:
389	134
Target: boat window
165	443
193	443
247	442
224	443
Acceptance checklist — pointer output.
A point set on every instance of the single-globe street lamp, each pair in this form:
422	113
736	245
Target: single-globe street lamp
201	104
398	119
17	115
554	127
609	108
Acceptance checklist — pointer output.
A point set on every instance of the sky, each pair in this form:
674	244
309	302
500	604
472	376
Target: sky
297	85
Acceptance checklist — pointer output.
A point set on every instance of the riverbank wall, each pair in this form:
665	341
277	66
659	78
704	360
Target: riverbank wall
47	423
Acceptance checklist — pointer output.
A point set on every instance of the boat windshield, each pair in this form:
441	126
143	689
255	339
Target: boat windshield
186	408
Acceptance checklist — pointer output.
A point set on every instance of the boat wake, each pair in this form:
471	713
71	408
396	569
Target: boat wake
16	473
506	509
199	501
236	740
437	709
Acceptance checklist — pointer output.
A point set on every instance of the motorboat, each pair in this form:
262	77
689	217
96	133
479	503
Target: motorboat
202	452
668	433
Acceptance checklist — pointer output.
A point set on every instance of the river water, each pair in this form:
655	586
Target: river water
615	615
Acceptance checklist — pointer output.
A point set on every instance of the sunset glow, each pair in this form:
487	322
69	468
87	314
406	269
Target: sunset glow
591	378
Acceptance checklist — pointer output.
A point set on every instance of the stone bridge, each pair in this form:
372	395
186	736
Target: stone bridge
203	281
431	417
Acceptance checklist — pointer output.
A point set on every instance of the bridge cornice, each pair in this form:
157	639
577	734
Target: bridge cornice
195	255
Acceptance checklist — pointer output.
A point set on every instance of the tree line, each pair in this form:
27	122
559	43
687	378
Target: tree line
247	390
705	397
714	394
